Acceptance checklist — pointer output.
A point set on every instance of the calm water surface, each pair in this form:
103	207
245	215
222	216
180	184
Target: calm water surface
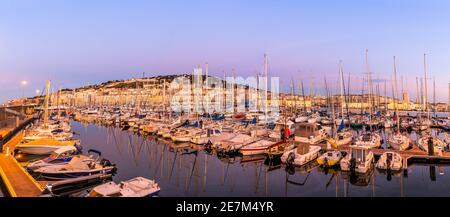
183	172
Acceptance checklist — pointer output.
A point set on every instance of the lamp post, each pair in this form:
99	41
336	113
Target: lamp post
23	84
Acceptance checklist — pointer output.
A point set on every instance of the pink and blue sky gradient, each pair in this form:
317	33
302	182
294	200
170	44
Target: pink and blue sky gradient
79	42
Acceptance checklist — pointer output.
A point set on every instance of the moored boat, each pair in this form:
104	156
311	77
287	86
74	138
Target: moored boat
301	155
136	187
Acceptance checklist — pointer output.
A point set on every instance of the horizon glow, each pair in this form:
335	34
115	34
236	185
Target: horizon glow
77	43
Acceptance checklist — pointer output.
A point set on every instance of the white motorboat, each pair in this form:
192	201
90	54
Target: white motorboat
390	161
388	123
258	147
301	155
369	140
438	144
330	158
78	166
136	187
326	121
314	119
301	119
224	136
235	143
43	146
342	138
311	135
58	157
276	134
182	135
447	138
204	136
358	160
399	141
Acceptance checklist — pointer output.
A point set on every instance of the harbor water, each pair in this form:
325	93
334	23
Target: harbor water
182	170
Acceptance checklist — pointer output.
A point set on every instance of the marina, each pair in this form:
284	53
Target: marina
188	169
101	142
162	100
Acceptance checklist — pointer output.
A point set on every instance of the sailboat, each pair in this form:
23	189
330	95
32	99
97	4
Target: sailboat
438	144
397	140
390	161
369	139
343	135
358	160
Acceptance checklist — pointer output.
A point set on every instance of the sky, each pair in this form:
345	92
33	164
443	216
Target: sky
79	42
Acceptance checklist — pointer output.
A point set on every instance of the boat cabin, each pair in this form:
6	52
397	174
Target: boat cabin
359	153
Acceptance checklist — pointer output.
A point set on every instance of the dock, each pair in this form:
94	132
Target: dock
411	155
17	181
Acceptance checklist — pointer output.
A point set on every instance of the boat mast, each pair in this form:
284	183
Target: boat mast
422	96
426	87
257	91
292	94
341	75
234	91
303	96
385	98
396	93
203	88
164	97
417	91
347	99
267	87
369	89
47	90
434	96
224	92
332	113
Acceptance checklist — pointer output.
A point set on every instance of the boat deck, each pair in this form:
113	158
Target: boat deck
17	180
412	154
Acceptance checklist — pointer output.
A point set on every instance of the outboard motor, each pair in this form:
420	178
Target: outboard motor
352	165
290	159
106	163
325	162
290	170
388	162
79	148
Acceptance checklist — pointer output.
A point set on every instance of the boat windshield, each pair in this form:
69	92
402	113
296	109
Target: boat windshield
54	155
359	155
366	137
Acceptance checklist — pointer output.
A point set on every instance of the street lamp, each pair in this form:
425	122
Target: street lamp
37	92
23	84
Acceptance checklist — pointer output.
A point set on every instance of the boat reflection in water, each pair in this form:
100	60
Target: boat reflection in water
184	169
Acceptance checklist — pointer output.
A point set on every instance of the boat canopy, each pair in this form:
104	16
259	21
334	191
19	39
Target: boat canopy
65	149
51	142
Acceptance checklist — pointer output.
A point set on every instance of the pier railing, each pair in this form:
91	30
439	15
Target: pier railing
14	131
